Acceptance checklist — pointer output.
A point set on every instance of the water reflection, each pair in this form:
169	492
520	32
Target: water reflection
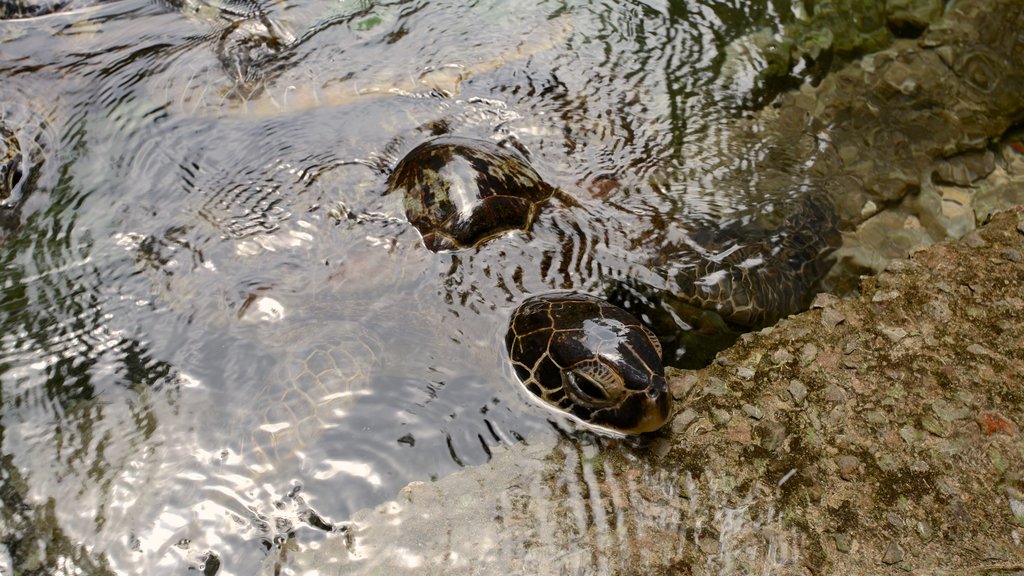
207	240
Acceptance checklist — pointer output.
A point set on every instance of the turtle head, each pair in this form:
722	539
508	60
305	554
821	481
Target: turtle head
631	404
592	360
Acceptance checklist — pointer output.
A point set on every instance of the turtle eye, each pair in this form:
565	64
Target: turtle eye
593	382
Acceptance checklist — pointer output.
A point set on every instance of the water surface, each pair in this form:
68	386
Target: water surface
220	335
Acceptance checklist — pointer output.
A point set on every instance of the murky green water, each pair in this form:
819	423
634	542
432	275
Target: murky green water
219	334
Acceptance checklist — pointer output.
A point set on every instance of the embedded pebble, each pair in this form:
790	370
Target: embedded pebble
885	296
834	394
715	387
899	265
745	372
781	356
1020	227
680	385
753	411
1017	508
843	542
937	310
893	554
924	530
808	352
894	333
771	435
909	435
721	417
849	467
935	426
824	300
948	412
1012	255
876	417
978	349
683	420
830	318
798	391
894	520
974	240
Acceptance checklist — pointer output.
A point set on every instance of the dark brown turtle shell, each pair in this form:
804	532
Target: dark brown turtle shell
590	359
10	162
460	192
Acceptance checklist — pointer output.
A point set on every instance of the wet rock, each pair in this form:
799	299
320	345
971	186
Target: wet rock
908	18
954	494
893	554
965	169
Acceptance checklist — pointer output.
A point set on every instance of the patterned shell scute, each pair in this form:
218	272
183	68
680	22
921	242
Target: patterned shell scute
591	359
312	388
459	192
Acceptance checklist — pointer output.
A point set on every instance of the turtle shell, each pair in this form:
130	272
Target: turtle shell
460	192
10	162
591	359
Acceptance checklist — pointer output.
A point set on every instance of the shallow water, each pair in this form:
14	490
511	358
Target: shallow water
204	240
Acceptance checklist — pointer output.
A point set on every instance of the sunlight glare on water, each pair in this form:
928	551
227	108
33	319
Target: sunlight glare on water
221	338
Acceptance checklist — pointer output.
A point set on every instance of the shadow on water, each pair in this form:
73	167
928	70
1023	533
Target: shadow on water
221	338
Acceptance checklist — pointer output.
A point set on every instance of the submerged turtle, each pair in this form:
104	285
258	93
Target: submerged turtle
580	354
313	386
460	192
28	160
590	359
10	162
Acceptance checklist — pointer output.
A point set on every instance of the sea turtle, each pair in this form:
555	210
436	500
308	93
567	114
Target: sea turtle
583	355
10	162
28	160
459	192
590	359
